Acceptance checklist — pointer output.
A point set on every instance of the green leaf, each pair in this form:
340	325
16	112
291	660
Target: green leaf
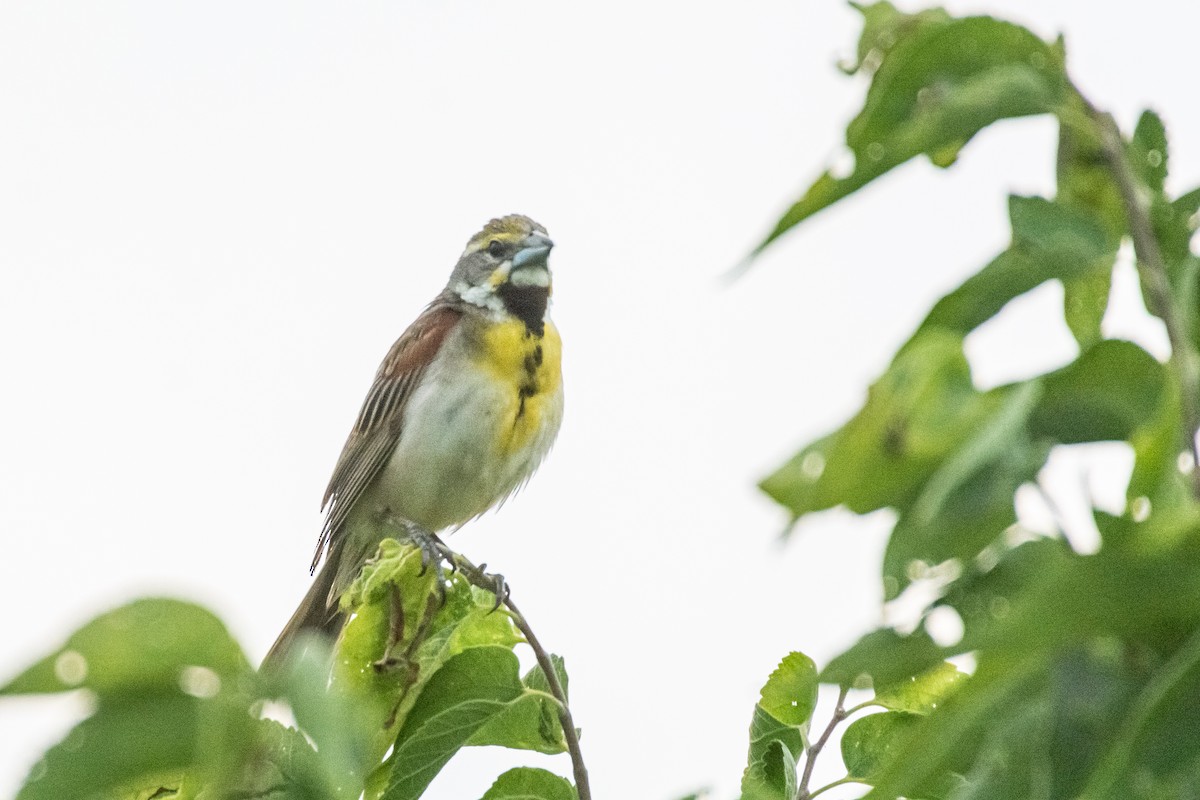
144	646
1048	232
286	767
922	759
1015	757
984	598
777	731
395	566
1156	446
1175	228
935	89
336	720
1085	301
1107	393
536	679
1092	623
968	501
1175	225
915	414
790	694
469	689
1085	181
972	519
1049	241
886	658
1047	742
772	776
1086	184
871	740
124	741
527	783
921	694
1090	690
433	632
160	789
883	26
1100	595
531	722
933	64
1148	151
1155	742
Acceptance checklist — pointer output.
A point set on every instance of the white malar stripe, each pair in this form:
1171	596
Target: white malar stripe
482	296
531	276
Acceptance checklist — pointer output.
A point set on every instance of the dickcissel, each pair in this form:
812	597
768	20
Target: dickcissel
463	409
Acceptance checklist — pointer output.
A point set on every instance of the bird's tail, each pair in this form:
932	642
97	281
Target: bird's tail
317	614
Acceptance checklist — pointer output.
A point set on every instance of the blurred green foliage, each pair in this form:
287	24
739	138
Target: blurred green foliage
1087	666
178	709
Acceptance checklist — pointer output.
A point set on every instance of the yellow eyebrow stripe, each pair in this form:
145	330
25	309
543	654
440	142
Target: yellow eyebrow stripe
510	230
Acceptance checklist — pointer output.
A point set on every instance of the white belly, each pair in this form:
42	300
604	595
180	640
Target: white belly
454	459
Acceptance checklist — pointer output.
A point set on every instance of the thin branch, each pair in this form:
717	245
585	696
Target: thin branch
481	579
839	782
1153	270
872	703
810	759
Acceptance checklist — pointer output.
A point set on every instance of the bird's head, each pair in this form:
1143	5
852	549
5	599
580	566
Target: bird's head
505	268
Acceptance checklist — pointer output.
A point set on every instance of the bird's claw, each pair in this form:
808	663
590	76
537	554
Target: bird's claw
433	553
496	584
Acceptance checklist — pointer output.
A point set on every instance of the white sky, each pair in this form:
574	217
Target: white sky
215	217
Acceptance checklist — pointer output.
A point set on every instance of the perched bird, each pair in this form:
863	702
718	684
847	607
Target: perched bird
464	407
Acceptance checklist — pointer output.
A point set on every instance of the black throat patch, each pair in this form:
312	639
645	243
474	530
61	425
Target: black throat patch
526	303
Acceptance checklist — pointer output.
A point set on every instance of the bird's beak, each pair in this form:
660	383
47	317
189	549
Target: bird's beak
535	250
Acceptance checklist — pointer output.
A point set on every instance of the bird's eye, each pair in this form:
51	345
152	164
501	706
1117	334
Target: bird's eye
496	248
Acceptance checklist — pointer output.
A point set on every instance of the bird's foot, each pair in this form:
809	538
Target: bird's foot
495	583
434	552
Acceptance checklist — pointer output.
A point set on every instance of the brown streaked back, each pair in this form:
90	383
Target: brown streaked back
378	427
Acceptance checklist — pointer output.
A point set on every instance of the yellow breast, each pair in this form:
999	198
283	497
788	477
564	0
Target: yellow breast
531	366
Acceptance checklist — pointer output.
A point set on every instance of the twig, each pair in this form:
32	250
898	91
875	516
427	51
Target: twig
479	578
810	759
1154	277
838	782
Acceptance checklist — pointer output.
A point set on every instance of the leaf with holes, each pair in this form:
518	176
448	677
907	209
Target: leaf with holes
393	589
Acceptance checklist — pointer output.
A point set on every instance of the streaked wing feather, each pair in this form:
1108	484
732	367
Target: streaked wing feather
378	428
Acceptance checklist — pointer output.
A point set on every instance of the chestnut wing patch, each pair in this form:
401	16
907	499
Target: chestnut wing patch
378	427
